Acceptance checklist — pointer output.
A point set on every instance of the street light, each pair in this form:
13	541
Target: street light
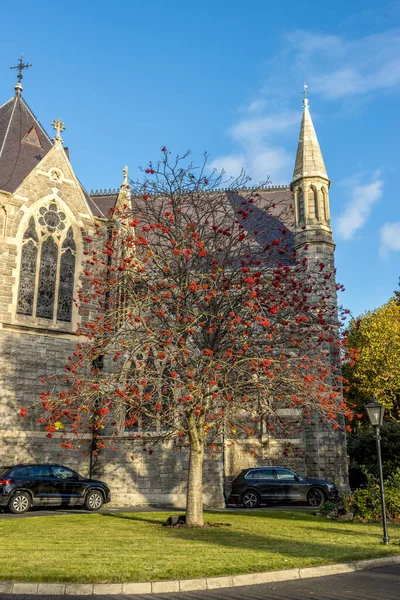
375	412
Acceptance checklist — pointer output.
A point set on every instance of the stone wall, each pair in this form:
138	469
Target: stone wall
139	472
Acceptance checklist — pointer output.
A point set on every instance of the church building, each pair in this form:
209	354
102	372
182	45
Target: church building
45	216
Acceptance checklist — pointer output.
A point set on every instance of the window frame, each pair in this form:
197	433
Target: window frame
259	469
59	238
284	469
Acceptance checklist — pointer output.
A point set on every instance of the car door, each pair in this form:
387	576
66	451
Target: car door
41	482
289	485
70	485
263	480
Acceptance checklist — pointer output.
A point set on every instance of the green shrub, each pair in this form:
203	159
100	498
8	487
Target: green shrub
361	446
366	503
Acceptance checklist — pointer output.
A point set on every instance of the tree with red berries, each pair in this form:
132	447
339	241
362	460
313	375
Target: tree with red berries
204	317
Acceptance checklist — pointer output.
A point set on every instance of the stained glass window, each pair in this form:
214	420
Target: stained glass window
66	284
48	237
31	233
26	292
47	279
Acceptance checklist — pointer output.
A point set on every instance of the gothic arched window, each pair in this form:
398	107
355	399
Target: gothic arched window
312	203
300	207
47	272
27	277
324	204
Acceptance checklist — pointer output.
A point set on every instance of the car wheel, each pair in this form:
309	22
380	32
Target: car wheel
20	503
94	500
250	499
316	498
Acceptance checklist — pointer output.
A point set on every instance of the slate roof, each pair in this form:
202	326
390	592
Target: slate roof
17	156
101	203
269	218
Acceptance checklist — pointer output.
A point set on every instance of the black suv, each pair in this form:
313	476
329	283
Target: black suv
265	484
23	486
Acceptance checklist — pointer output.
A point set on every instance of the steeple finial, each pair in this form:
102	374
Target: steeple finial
59	126
125	172
305	94
20	66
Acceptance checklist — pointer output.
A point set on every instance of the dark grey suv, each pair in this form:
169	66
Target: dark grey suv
23	486
265	484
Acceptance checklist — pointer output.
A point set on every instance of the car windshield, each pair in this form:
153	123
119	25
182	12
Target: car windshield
3	470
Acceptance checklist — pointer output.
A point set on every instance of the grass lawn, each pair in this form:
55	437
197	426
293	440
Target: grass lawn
135	547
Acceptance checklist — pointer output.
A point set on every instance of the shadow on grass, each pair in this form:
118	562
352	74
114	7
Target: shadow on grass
270	513
136	517
288	542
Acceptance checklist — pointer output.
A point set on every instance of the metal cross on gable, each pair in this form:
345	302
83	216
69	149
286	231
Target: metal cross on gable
59	126
21	66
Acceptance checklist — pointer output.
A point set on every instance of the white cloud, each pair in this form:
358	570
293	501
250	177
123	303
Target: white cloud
259	162
337	67
250	129
363	198
256	106
390	238
231	164
260	156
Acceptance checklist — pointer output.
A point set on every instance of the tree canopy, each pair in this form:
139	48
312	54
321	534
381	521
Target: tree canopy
205	318
372	367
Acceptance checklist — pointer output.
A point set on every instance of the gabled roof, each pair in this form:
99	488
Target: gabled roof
23	143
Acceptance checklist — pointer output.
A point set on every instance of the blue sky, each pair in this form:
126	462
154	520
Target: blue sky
226	76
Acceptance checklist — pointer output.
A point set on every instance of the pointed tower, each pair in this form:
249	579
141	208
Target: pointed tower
310	186
313	240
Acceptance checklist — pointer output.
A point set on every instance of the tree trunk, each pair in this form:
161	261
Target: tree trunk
194	498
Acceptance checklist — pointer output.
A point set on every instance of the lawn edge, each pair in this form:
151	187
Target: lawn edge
189	585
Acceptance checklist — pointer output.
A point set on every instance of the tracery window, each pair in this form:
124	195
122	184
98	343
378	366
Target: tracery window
47	266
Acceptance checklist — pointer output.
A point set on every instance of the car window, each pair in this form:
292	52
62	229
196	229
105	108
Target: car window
22	472
261	474
63	473
3	471
286	474
40	471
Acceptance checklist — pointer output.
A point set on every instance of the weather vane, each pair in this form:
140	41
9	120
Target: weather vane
305	94
21	66
59	126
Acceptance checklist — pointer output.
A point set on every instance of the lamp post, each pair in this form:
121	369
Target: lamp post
375	412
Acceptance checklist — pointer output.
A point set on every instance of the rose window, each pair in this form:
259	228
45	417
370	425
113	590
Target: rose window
52	218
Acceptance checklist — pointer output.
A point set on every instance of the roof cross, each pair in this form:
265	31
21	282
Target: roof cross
59	126
21	66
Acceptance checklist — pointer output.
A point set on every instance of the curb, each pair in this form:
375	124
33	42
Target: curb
191	585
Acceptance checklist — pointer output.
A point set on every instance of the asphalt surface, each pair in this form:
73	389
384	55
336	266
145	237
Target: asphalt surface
45	512
374	584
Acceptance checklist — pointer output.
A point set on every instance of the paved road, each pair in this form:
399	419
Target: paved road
376	584
43	512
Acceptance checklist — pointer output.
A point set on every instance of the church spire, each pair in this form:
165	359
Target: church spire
310	186
309	161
